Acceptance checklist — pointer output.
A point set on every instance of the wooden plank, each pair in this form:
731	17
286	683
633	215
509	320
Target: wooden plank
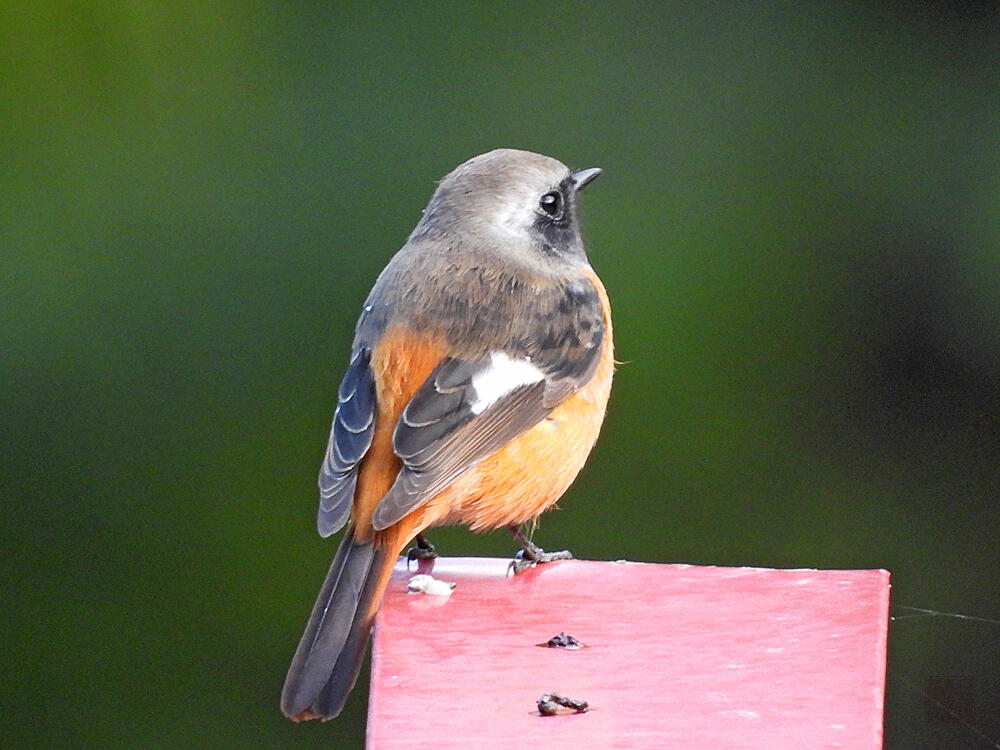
676	657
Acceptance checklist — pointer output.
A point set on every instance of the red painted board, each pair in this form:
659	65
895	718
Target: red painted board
676	657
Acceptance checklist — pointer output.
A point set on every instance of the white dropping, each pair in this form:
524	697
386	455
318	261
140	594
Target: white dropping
425	584
500	377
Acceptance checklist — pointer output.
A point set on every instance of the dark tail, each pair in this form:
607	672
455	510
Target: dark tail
328	658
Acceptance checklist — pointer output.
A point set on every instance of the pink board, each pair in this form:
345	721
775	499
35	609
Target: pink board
675	656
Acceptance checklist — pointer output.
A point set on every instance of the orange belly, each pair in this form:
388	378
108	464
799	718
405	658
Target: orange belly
531	472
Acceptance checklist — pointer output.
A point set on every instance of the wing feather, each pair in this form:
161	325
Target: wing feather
350	438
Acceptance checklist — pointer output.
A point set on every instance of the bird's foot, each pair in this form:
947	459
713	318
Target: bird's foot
531	554
423	550
525	558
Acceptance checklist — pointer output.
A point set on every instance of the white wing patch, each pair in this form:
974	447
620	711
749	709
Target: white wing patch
501	377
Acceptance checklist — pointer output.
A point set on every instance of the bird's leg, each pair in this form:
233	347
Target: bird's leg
423	550
531	553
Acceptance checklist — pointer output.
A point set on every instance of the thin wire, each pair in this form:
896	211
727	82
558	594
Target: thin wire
920	612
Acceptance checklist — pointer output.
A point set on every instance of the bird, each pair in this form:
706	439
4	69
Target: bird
478	382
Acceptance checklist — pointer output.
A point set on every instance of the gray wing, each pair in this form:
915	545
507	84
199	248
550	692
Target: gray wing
468	409
350	439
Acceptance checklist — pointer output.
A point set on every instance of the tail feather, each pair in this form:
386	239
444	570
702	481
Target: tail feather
332	697
329	655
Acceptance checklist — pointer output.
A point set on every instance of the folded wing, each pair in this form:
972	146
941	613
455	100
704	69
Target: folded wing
350	439
468	409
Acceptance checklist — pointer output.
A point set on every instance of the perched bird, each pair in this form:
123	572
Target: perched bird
477	385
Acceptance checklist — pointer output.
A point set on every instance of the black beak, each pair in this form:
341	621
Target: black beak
584	177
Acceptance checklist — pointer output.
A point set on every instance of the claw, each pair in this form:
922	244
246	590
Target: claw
520	563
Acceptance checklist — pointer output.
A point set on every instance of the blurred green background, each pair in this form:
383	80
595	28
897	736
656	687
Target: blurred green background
798	224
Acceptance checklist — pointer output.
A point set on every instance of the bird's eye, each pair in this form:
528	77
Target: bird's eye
551	204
